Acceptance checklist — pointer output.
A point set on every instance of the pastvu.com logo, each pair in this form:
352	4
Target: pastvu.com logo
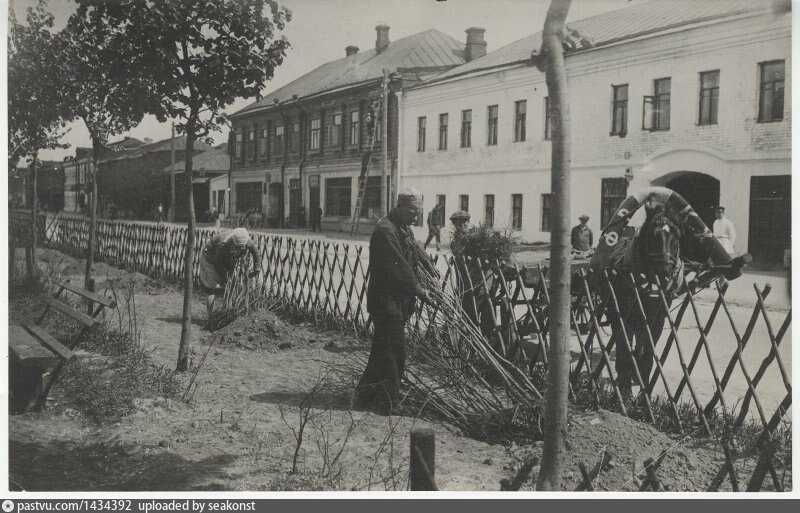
8	506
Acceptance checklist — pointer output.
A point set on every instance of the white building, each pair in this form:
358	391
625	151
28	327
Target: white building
691	95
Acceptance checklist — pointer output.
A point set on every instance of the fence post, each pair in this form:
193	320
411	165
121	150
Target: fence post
90	303
422	462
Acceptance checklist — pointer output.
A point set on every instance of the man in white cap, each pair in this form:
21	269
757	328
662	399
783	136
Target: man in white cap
724	231
219	258
391	295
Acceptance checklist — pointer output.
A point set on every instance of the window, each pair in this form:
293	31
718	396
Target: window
491	128
251	143
463	202
613	192
278	140
315	133
442	132
334	131
770	103
709	97
656	108
547	206
488	218
238	144
619	107
547	127
294	137
441	199
520	112
516	211
421	121
372	197
262	142
337	197
248	196
354	128
466	128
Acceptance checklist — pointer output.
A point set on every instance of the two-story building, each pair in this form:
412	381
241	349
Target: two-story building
305	143
694	96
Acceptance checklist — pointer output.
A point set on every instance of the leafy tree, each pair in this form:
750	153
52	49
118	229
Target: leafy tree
206	54
35	119
103	74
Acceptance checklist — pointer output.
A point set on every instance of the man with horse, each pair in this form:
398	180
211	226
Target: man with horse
643	267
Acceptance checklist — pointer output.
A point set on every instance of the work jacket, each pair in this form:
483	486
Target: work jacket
393	283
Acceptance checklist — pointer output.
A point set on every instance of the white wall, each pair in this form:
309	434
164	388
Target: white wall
731	151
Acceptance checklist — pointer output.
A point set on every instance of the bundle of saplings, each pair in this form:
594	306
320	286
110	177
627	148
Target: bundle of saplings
483	242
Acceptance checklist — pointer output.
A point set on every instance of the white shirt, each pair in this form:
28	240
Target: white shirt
725	233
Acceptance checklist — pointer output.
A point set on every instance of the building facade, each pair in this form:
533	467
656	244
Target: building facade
306	144
694	96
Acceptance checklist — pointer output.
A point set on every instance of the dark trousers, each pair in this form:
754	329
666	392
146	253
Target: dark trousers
315	224
434	232
379	387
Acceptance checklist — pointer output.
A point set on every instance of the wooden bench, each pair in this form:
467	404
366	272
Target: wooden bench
33	351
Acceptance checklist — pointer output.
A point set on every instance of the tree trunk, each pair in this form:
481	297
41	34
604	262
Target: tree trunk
184	350
31	264
555	429
96	146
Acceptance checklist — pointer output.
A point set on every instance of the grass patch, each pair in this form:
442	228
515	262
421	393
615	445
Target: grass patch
106	388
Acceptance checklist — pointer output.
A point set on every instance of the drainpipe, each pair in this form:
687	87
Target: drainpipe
286	129
399	150
304	127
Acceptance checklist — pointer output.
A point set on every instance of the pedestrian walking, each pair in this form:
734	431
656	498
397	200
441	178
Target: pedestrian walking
301	217
724	231
582	236
316	218
391	296
435	226
219	259
160	212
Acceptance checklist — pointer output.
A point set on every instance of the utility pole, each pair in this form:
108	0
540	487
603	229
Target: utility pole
385	188
172	177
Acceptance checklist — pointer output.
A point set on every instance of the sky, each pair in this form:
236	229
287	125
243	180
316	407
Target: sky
321	29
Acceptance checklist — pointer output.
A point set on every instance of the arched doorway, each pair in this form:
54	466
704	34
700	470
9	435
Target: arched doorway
701	191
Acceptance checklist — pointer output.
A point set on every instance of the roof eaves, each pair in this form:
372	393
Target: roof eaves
263	108
745	13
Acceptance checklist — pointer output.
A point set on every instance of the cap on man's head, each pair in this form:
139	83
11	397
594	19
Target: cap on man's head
240	237
460	215
410	198
584	217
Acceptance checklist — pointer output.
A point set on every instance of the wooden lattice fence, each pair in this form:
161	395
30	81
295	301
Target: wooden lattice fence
714	378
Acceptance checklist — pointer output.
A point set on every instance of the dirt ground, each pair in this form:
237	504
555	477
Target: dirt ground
237	432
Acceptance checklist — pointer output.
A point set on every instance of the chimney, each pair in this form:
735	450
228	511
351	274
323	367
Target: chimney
383	37
476	46
351	50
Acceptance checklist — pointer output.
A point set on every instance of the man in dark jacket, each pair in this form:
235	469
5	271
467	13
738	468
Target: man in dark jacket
391	294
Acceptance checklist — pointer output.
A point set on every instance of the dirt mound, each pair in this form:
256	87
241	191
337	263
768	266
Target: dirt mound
263	330
686	467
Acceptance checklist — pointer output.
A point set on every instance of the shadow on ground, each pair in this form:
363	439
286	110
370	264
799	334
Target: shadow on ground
69	466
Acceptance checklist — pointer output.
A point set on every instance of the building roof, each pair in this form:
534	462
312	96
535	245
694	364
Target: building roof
215	160
430	49
163	145
635	21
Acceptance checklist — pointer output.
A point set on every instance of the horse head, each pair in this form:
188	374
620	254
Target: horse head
660	237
